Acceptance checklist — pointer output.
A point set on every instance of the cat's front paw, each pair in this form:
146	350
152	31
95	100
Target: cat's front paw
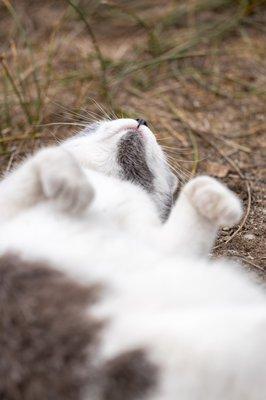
214	201
62	180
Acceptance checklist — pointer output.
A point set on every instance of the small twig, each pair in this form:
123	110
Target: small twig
253	264
212	31
159	60
15	88
25	136
6	100
12	156
153	39
195	152
259	128
27	42
179	14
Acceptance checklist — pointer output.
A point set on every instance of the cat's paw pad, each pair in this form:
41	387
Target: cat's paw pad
214	201
63	181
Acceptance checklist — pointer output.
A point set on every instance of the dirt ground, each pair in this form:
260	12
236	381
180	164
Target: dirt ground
196	70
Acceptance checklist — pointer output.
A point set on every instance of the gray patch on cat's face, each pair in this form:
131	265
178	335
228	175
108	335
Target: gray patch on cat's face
132	160
167	207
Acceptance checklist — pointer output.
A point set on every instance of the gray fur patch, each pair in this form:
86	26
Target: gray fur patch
167	207
47	342
129	376
131	158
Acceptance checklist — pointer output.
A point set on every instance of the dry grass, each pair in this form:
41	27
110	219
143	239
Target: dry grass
195	69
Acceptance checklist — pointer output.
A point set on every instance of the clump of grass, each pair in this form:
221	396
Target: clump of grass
21	91
161	50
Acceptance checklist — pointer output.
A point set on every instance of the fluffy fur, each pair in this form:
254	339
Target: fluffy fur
94	208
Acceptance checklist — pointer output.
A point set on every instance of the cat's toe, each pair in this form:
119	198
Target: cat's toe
214	201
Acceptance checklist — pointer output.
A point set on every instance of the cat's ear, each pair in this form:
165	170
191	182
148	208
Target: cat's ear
174	182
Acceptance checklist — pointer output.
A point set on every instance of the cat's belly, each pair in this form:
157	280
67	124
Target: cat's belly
201	323
92	247
84	246
202	354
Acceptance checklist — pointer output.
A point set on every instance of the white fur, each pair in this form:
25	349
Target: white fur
203	322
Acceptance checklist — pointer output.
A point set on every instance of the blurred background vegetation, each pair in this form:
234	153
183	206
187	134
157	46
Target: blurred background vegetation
194	69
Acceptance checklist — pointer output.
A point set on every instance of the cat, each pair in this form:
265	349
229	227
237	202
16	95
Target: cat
106	287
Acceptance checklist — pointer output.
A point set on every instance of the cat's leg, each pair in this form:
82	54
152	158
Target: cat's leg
51	174
204	206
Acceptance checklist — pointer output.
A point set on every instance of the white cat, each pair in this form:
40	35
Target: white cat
167	323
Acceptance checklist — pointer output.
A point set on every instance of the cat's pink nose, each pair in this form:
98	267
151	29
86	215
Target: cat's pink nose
141	122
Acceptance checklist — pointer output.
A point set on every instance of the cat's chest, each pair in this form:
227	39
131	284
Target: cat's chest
121	202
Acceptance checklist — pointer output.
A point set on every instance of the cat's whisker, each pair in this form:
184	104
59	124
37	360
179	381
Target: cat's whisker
81	119
183	174
174	153
57	140
161	139
182	171
179	175
181	159
89	117
71	114
100	108
176	160
63	123
113	114
176	148
94	114
166	138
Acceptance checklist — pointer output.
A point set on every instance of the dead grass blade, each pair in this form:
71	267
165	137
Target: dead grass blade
103	66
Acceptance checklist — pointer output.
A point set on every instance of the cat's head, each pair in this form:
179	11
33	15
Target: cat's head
127	148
